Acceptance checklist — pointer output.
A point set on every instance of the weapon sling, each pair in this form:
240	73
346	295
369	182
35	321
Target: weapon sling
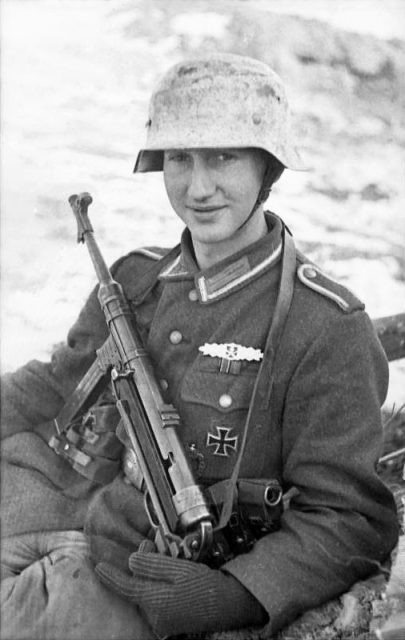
265	377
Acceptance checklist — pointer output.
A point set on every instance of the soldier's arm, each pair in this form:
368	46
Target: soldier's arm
36	392
343	522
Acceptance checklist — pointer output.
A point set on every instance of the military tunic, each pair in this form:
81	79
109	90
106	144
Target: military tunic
320	432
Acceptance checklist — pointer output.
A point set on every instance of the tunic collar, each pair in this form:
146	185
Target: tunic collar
233	272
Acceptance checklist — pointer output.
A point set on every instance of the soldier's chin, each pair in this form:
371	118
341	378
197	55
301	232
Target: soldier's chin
208	234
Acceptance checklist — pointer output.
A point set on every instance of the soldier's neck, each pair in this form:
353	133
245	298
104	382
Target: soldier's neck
209	253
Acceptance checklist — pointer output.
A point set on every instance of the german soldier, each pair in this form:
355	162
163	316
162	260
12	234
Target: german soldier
275	370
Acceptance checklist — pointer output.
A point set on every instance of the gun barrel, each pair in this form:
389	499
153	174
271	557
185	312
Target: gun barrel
85	233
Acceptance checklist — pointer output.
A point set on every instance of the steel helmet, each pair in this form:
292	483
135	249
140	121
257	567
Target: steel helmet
220	100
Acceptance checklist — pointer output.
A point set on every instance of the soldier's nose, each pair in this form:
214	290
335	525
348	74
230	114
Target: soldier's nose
201	185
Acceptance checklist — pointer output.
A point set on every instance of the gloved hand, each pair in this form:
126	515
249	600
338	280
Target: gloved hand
116	523
180	596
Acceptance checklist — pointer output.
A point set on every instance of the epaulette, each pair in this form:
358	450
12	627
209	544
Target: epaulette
312	277
148	274
155	253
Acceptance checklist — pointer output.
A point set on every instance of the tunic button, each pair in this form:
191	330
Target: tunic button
164	384
225	401
175	337
310	272
193	295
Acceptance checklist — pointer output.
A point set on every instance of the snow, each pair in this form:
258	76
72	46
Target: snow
383	18
76	78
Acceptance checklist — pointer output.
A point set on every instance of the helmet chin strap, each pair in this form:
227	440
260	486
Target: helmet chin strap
273	171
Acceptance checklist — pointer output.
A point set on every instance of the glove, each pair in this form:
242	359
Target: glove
180	596
116	523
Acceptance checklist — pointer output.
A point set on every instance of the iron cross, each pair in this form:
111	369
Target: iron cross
221	441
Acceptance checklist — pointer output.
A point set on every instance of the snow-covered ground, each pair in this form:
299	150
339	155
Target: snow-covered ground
76	77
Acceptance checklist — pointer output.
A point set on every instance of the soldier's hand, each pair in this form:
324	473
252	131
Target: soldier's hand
116	523
180	596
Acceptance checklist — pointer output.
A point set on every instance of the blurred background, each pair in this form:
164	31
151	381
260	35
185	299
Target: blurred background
76	79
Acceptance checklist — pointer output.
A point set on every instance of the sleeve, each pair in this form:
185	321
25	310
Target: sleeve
36	392
342	523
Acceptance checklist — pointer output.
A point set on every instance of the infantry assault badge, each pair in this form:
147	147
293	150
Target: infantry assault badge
231	351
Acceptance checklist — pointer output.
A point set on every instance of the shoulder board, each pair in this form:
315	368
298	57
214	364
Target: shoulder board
313	278
155	253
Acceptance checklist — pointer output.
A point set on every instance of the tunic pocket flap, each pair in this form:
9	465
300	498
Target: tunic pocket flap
224	392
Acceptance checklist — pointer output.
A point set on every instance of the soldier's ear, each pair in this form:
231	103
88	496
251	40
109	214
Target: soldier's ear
273	172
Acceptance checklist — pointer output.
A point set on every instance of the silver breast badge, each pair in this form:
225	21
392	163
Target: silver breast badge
231	351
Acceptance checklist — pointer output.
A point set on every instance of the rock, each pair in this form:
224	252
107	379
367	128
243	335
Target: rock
392	626
351	613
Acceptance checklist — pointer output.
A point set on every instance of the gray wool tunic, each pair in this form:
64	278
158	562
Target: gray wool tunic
320	434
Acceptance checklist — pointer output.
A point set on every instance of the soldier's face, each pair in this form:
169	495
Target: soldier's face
213	190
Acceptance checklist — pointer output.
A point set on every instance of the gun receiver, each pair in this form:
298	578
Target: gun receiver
175	504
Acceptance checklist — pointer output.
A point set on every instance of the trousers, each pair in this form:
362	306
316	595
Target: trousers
49	591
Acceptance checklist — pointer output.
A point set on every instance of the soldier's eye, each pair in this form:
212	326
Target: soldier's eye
221	158
225	156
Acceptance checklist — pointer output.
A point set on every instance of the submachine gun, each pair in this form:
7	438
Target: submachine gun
176	506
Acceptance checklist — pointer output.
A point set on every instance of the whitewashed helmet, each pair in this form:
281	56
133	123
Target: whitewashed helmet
219	101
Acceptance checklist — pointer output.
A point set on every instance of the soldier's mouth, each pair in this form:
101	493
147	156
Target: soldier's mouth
206	211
